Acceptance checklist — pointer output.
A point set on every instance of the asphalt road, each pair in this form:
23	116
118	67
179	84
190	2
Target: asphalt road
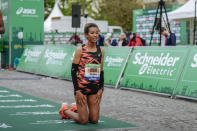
148	111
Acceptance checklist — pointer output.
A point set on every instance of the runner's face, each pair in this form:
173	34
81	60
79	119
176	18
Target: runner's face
93	34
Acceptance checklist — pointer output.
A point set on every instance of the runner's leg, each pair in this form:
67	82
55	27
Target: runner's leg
82	114
94	107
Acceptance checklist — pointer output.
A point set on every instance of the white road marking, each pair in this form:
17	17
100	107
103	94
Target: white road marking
3	125
4	91
57	121
28	106
12	95
53	122
35	113
24	100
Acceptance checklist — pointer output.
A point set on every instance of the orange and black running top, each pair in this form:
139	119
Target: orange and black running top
86	85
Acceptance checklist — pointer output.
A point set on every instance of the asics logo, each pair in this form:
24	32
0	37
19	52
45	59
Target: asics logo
22	10
19	11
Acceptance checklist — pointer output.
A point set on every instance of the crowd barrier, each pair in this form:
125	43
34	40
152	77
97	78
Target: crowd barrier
113	63
187	85
154	69
165	70
54	61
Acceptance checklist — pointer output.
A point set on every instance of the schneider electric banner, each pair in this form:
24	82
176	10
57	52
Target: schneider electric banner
57	61
154	69
54	61
113	63
188	82
31	59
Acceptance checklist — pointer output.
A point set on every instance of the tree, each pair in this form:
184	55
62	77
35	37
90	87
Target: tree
66	6
155	4
67	10
118	12
48	6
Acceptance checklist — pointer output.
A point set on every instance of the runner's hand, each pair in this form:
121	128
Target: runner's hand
98	97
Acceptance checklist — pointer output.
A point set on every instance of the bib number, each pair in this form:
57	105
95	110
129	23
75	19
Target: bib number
92	72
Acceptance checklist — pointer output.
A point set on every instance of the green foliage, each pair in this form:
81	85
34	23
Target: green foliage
68	10
155	4
116	12
119	12
48	6
66	6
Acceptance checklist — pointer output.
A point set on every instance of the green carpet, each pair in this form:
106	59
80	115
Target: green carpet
22	112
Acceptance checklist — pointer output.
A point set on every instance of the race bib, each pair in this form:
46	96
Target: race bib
92	72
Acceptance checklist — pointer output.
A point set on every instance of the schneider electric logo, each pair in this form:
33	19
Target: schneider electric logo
26	12
54	57
32	55
116	61
163	64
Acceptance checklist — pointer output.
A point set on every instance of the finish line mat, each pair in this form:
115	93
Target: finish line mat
19	111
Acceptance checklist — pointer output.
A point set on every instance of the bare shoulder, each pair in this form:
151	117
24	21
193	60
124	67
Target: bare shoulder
79	49
102	50
77	55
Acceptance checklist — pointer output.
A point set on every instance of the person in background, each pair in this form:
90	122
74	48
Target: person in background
110	40
84	40
2	29
122	40
170	39
74	39
135	40
128	33
88	80
101	40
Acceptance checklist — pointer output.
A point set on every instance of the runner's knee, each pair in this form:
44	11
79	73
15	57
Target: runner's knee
83	120
94	121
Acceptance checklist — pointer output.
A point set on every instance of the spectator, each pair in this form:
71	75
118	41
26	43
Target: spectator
101	40
84	40
110	40
122	40
135	40
170	40
75	39
128	33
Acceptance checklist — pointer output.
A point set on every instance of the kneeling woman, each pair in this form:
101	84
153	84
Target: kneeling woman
88	78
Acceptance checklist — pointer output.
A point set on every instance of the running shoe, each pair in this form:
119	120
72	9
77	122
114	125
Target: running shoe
62	109
73	107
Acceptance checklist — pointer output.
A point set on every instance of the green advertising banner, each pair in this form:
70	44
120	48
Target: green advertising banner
68	66
188	83
31	59
54	61
113	63
26	26
57	61
154	69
